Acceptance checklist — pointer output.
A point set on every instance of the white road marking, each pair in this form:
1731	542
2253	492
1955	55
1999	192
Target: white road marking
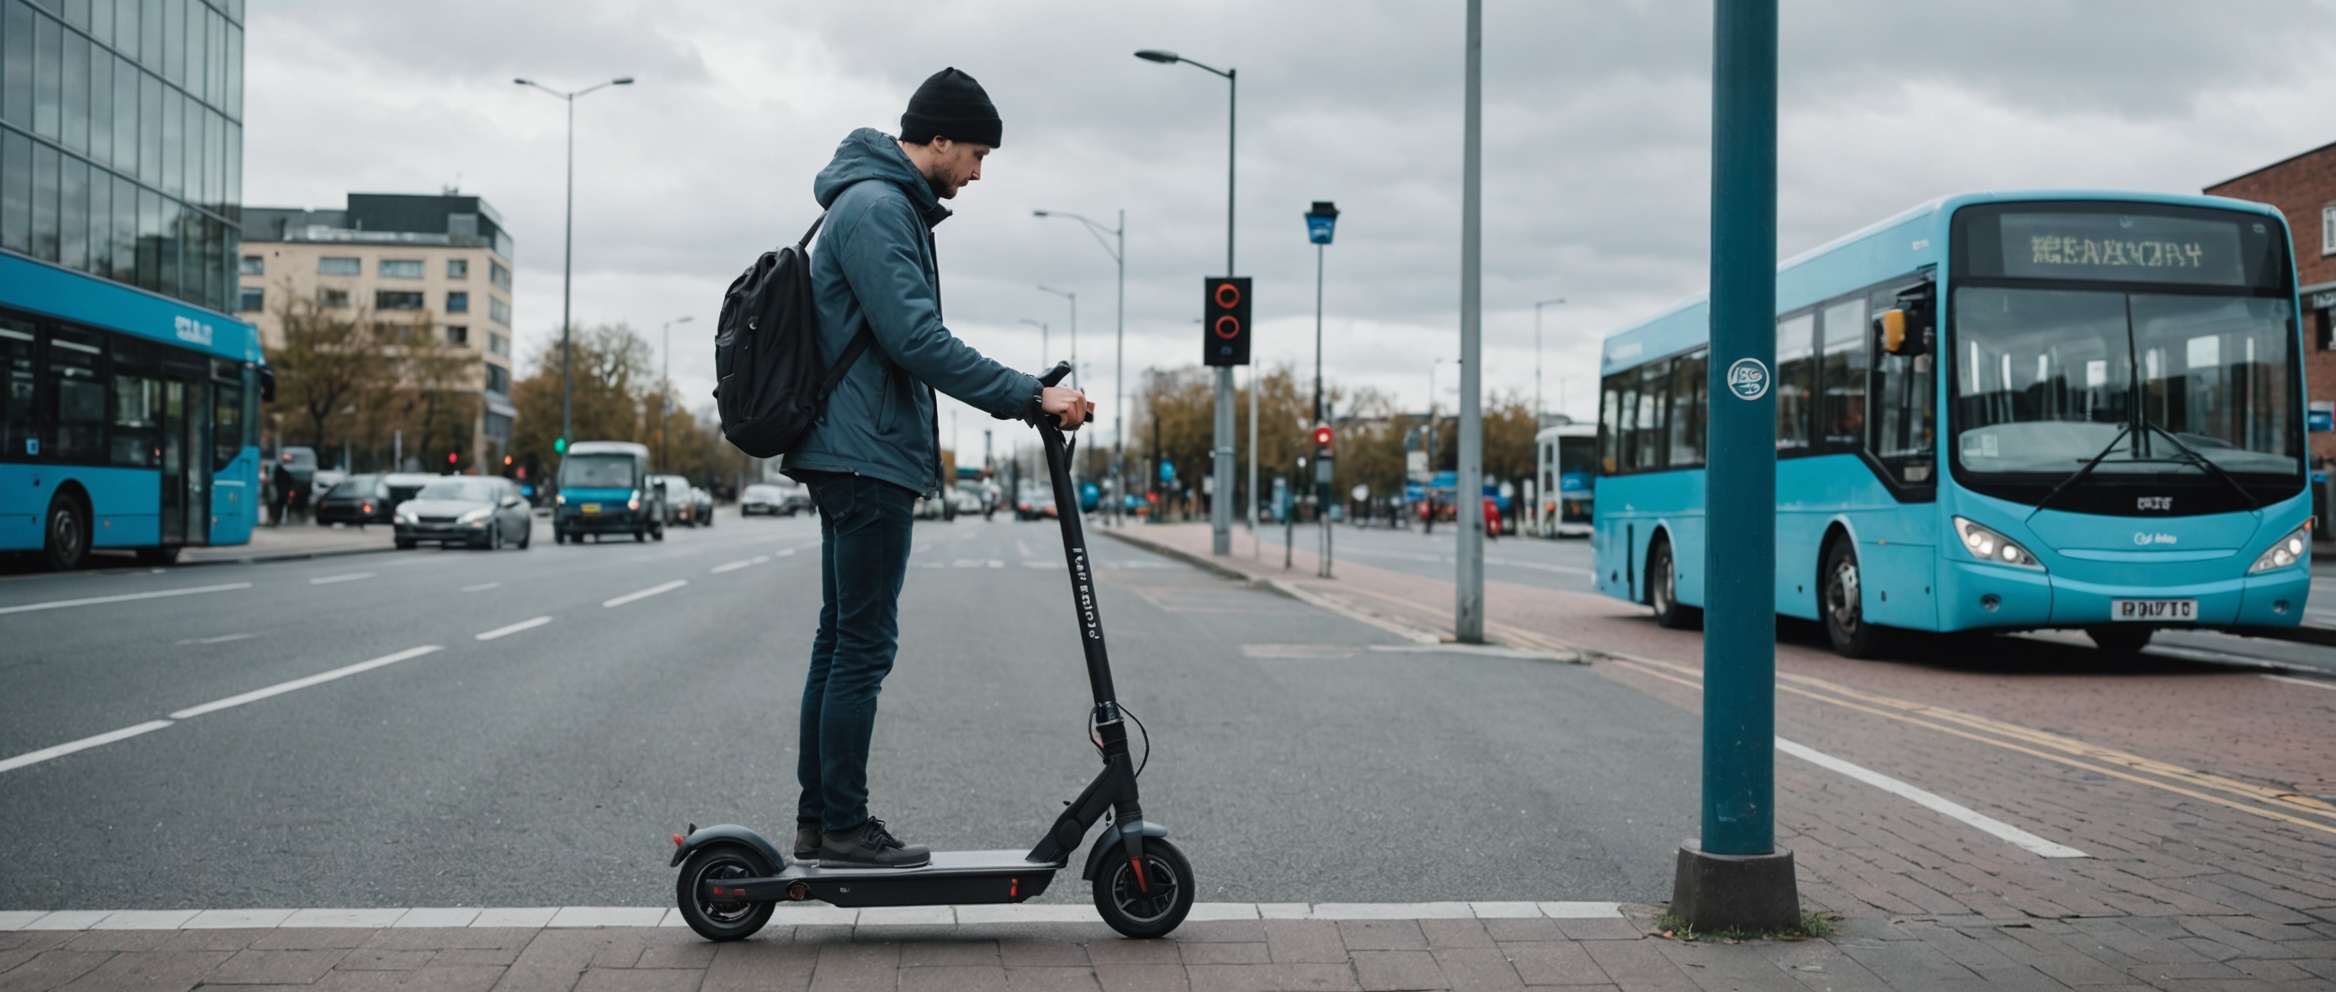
538	917
784	552
326	580
280	688
481	587
2314	683
2017	836
759	559
730	566
646	593
514	628
61	750
221	639
1024	547
124	598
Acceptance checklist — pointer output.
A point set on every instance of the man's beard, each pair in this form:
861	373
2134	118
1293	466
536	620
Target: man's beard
941	190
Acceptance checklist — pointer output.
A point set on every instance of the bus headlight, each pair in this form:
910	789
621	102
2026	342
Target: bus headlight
1989	546
2287	551
633	503
560	500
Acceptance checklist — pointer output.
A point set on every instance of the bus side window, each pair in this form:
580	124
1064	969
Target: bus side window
1903	424
137	407
226	413
19	431
1611	413
1795	363
1646	442
77	388
1844	393
1687	407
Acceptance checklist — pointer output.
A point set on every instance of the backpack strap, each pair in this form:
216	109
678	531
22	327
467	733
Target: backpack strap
843	363
805	244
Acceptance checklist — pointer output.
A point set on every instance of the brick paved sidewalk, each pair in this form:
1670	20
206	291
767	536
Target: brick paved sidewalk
2204	863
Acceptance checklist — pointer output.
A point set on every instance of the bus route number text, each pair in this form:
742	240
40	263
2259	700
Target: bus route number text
2055	249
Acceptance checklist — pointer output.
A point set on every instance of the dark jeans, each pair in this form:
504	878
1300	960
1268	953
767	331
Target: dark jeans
864	529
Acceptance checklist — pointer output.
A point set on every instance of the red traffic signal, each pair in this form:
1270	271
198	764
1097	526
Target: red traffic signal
1225	321
451	457
1322	437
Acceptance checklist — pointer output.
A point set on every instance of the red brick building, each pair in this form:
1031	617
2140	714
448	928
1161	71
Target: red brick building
2304	188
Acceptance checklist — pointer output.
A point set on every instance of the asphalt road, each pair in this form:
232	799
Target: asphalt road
1566	564
1300	755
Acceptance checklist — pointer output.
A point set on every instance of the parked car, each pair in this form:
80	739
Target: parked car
605	488
1035	500
776	499
701	506
680	510
403	485
939	508
972	497
358	499
481	511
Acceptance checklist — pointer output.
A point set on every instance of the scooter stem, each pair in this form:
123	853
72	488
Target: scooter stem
1066	501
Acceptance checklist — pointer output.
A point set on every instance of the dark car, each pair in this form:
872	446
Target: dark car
478	510
358	499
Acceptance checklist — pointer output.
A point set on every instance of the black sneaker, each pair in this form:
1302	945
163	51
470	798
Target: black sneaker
869	845
807	842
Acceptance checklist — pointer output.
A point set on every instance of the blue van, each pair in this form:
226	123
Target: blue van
605	488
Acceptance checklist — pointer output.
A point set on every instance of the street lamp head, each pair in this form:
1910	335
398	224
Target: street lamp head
684	320
1038	213
524	82
621	81
1157	55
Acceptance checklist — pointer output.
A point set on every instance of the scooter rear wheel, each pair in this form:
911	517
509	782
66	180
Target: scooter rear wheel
716	919
1149	906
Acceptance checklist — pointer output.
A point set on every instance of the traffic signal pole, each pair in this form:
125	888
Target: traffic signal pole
1735	875
1468	487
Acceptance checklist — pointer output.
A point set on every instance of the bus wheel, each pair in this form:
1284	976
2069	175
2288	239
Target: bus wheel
1663	590
2120	642
1844	607
65	538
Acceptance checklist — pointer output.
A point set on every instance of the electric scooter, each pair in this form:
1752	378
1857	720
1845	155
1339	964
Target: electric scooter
733	878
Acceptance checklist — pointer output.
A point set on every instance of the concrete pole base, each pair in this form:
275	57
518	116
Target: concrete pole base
1735	891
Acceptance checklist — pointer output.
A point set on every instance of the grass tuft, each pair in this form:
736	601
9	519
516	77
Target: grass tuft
1813	925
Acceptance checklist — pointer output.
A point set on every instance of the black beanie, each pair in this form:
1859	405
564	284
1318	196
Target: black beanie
951	105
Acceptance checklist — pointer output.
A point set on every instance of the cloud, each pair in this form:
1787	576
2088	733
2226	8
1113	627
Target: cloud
1597	163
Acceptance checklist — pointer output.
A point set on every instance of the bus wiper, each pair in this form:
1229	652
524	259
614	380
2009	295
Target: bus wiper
2085	471
2193	457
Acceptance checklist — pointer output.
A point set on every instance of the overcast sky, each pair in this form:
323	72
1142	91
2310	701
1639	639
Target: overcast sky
1596	152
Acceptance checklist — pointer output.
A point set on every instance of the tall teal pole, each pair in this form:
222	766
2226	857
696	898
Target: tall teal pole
1739	564
1735	875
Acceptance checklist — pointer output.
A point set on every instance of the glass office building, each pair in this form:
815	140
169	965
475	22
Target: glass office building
121	140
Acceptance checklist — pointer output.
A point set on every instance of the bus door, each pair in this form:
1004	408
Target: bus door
186	462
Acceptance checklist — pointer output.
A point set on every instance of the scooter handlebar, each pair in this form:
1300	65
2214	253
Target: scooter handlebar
1051	377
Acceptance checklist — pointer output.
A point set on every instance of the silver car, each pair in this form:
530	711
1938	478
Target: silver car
479	511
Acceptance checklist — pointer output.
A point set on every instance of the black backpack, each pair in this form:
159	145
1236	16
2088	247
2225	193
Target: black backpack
770	384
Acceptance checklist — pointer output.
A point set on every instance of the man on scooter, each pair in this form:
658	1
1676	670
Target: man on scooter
877	446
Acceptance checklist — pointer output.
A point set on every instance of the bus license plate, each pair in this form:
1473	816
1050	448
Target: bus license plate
2153	609
592	508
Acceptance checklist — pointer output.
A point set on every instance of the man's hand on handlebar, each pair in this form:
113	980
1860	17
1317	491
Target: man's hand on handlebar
1070	407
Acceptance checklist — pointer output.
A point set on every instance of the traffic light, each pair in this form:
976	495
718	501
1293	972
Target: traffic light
559	446
1225	321
1322	438
452	458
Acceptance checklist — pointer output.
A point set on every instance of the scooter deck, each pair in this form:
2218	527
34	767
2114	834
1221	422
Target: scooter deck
951	877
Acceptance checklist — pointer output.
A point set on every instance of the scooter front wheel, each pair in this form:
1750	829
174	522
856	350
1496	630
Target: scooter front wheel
715	918
1149	902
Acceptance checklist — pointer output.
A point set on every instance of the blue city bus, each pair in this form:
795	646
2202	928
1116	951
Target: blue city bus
131	420
2117	378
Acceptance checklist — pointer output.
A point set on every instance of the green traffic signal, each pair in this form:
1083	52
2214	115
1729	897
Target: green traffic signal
559	446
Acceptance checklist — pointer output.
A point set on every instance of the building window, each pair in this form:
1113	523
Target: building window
499	275
396	299
458	302
329	266
457	334
401	268
498	344
336	298
2328	230
254	265
458	268
499	310
498	379
253	301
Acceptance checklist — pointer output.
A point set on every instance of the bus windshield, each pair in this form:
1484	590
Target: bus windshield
597	472
2048	380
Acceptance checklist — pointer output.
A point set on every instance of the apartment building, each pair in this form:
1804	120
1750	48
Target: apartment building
406	259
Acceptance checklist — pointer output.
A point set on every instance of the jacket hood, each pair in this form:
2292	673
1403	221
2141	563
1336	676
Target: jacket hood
871	154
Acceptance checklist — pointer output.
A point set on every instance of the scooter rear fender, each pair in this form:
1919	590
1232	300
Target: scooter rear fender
1115	836
731	833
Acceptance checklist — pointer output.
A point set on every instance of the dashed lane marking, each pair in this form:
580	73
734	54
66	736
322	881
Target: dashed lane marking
663	587
481	587
280	688
730	566
221	639
326	580
60	604
1930	800
61	750
580	917
514	628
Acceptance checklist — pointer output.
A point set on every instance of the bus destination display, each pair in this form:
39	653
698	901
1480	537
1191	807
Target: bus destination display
2123	248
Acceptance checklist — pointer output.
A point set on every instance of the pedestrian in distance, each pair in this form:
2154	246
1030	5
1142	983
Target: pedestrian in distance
876	448
280	495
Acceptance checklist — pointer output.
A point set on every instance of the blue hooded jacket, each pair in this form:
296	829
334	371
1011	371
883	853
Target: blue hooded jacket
874	267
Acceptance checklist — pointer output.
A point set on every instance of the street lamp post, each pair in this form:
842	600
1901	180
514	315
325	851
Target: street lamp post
1468	553
1072	296
568	243
665	389
1117	246
1221	506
